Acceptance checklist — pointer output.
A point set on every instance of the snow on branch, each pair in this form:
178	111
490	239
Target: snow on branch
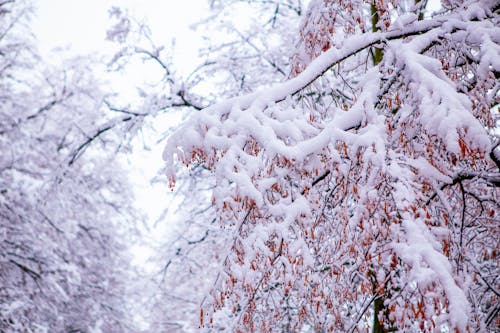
214	116
326	194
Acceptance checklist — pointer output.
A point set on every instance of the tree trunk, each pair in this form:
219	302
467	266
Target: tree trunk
377	53
378	307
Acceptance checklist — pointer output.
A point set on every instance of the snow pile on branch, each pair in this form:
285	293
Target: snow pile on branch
353	189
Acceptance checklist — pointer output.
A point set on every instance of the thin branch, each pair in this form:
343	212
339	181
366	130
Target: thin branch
115	109
34	275
78	151
199	240
49	106
158	60
372	299
49	221
252	45
317	180
182	95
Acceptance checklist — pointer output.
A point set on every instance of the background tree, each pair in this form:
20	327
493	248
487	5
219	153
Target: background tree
362	194
66	209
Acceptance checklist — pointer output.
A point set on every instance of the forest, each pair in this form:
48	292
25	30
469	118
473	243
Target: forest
328	166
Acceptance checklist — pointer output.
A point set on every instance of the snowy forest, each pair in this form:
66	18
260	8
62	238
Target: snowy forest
327	166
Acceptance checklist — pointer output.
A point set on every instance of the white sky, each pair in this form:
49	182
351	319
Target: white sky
83	23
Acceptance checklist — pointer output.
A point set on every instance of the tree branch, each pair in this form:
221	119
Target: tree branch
323	63
78	151
34	275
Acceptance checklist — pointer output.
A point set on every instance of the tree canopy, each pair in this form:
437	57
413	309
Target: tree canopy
63	260
361	193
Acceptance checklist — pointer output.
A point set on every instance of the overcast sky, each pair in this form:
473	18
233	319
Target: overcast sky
83	23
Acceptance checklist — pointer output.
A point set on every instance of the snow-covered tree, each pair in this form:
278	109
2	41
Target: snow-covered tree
234	57
64	208
362	193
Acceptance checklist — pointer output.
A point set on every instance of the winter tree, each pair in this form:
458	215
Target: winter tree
233	58
64	208
360	194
